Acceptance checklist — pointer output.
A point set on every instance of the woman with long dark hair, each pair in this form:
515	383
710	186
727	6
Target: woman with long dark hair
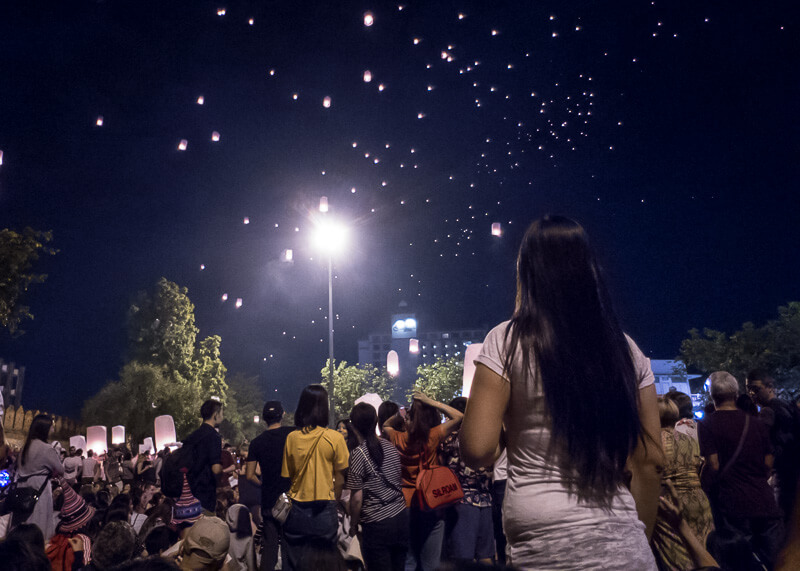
37	463
578	402
420	442
376	497
314	459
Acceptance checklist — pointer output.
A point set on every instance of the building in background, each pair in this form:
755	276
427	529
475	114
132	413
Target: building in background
11	380
414	346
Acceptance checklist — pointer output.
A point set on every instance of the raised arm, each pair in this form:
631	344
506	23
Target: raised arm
483	421
454	415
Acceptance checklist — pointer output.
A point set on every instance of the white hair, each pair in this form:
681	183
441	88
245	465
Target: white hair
724	386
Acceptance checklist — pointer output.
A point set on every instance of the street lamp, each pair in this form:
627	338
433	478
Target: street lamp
330	238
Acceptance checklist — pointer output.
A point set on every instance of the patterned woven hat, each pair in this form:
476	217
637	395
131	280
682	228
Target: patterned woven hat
188	508
75	512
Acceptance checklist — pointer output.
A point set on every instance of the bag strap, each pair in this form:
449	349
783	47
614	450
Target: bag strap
379	472
308	458
738	448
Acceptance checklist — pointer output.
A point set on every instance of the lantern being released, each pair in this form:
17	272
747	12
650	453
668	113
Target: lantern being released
469	367
79	443
165	431
497	230
118	434
413	345
97	439
323	204
183	144
392	363
148	446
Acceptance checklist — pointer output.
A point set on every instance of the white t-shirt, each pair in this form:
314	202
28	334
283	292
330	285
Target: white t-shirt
548	528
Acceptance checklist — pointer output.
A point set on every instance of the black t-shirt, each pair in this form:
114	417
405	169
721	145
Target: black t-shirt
206	447
267	450
743	489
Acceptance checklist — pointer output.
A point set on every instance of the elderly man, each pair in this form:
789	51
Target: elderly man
739	455
781	418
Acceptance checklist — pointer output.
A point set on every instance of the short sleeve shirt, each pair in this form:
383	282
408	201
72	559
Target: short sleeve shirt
315	483
383	497
207	448
476	484
267	450
410	461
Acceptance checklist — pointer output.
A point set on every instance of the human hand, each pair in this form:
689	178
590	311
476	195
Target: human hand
421	397
76	543
353	529
670	505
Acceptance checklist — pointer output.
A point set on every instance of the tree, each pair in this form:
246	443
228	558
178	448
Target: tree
168	372
441	380
774	347
354	381
244	401
18	252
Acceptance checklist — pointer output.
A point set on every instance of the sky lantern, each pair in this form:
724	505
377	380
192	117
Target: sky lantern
118	434
469	367
392	363
326	102
287	255
99	121
497	230
238	302
367	76
1	157
369	19
201	100
224	297
323	204
413	345
147	446
183	144
220	11
375	401
165	431
246	220
381	87
251	21
215	136
97	439
79	443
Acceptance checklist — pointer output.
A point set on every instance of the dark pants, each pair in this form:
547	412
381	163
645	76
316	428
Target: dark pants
498	494
426	538
763	534
310	531
385	543
271	541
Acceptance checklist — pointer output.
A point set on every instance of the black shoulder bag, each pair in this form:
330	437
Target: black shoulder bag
21	501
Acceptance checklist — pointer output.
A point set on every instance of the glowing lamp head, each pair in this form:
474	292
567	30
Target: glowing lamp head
323	204
330	237
393	363
413	345
497	230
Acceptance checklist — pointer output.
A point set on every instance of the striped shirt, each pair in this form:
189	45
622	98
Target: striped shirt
383	497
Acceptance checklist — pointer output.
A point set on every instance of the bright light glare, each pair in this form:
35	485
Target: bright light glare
330	236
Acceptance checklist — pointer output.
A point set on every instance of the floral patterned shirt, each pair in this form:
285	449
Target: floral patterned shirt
475	483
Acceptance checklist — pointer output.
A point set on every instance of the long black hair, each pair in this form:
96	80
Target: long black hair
565	327
39	430
364	419
312	407
422	418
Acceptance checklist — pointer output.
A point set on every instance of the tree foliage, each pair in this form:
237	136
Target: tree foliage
441	380
169	372
774	347
18	253
351	382
244	401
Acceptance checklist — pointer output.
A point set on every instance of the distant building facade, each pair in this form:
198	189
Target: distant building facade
670	375
12	378
414	347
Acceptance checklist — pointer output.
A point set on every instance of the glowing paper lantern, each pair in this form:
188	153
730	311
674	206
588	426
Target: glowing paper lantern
413	345
250	21
381	87
224	297
392	363
118	434
97	439
256	419
367	76
469	367
215	136
165	431
79	442
238	302
497	230
246	220
201	100
99	121
287	255
326	102
147	446
220	11
369	19
323	204
183	144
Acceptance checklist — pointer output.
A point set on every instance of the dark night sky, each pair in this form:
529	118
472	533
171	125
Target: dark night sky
669	129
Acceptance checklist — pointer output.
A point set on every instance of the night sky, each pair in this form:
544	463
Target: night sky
668	128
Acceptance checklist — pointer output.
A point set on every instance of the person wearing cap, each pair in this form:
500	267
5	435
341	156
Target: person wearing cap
204	547
266	453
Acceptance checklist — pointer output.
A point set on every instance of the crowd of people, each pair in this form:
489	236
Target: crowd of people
562	457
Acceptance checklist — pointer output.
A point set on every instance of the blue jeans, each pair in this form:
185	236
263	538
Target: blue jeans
310	530
427	536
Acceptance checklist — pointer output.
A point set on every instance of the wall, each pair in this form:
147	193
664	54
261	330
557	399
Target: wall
17	421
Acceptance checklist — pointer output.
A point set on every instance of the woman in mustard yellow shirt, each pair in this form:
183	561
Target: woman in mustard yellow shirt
314	459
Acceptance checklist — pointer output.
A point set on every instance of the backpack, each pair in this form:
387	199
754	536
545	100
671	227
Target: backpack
172	470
